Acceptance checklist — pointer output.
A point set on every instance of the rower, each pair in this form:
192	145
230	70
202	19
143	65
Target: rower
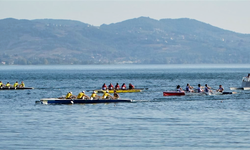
123	86
22	84
179	89
7	84
116	96
199	88
117	86
208	89
188	88
106	95
16	84
131	86
111	87
82	95
1	84
69	95
104	87
94	96
221	89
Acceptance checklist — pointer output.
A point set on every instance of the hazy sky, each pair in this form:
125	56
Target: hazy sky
232	15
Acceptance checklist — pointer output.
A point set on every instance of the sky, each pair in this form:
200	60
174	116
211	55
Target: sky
230	15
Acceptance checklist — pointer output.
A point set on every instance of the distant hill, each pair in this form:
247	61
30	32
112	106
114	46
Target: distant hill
139	40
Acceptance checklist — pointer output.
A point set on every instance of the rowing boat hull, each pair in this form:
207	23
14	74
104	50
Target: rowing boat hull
18	88
173	93
120	91
81	101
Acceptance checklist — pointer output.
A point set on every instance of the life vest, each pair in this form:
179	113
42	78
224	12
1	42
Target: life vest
187	88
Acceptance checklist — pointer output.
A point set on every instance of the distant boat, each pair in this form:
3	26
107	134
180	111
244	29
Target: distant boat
16	88
80	101
245	84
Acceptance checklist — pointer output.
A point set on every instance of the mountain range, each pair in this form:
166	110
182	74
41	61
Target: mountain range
140	40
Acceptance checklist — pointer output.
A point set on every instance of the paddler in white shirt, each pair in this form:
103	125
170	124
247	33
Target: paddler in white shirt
179	89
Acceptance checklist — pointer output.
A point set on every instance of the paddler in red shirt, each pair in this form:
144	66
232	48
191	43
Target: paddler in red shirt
111	87
117	86
104	87
123	86
131	86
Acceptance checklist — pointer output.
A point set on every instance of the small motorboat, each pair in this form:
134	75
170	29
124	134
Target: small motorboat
245	84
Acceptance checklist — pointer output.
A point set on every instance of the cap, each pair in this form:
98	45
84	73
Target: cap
107	91
83	91
94	91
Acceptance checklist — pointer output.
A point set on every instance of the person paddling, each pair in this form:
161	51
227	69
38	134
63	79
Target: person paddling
69	95
106	95
8	85
116	95
179	89
1	84
104	87
82	95
117	86
208	89
15	85
123	86
189	88
221	89
131	86
199	88
22	84
94	96
111	87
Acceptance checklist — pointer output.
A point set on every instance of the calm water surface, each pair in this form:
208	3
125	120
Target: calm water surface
188	122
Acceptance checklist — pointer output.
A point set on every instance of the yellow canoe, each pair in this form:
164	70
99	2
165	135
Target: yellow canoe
120	91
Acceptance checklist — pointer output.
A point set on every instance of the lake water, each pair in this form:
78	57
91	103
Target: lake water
179	123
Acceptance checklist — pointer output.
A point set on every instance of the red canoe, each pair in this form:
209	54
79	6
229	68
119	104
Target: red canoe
173	93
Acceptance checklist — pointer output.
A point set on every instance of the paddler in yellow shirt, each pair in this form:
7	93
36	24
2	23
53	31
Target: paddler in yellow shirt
1	84
22	84
7	84
82	95
106	95
94	96
15	85
69	95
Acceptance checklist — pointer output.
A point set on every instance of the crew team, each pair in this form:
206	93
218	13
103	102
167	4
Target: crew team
93	96
15	85
199	89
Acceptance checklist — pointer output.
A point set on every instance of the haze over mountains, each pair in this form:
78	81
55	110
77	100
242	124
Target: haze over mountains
139	40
